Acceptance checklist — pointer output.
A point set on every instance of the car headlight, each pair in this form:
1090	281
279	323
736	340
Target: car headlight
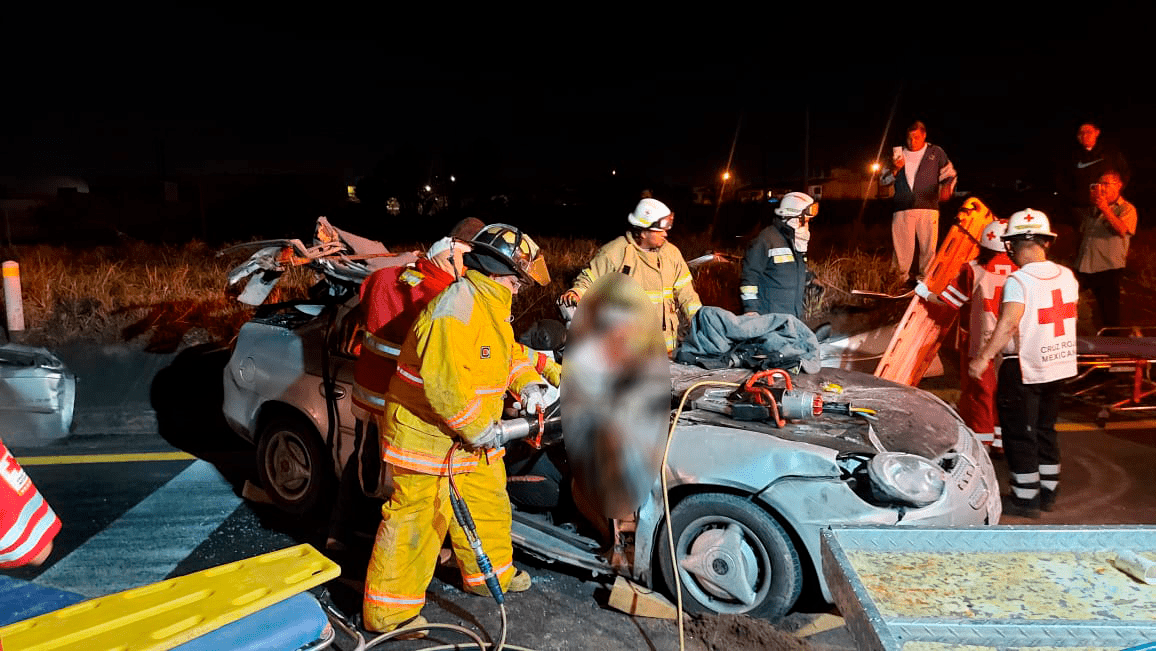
906	478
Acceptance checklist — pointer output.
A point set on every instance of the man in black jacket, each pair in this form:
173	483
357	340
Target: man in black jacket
774	279
1084	167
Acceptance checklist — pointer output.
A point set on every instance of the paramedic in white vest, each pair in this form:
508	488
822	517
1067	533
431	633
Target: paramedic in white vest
1038	319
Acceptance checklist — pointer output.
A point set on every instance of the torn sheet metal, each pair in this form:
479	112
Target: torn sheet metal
337	254
37	395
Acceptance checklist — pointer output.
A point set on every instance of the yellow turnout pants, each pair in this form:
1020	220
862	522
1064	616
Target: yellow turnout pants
414	523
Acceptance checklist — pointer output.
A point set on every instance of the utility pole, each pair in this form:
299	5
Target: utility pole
806	148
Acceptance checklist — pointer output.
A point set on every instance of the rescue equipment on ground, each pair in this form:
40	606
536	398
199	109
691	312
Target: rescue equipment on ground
758	400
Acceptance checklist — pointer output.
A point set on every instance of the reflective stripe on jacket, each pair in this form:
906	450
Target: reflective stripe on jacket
663	274
774	276
454	369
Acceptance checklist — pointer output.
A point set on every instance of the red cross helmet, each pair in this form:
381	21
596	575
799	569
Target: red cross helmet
1028	224
992	234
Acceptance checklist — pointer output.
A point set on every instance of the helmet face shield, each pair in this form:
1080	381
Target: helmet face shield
664	224
515	249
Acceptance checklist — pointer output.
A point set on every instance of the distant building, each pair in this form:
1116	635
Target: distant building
22	197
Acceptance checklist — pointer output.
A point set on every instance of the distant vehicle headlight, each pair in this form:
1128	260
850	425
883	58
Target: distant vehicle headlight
906	478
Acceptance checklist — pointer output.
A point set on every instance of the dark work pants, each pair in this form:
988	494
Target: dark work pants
1105	286
1027	414
354	510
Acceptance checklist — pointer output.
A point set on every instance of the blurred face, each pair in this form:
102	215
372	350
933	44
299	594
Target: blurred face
1087	135
511	283
916	138
450	260
651	239
1110	186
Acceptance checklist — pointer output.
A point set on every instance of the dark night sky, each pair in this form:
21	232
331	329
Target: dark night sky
221	91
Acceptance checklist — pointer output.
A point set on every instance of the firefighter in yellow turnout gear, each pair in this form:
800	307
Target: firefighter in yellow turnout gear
453	372
655	263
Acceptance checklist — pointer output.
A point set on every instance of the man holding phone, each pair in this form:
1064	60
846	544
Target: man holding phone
1107	231
923	176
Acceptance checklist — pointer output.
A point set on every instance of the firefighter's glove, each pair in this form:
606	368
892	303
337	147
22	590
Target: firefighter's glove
489	439
533	397
569	299
922	291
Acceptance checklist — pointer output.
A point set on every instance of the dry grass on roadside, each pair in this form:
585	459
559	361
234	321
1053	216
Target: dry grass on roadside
165	297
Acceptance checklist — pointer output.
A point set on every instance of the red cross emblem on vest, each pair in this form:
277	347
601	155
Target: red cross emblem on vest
1056	314
991	305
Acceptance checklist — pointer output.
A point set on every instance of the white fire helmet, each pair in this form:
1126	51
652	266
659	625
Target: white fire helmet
1028	224
990	239
795	204
651	214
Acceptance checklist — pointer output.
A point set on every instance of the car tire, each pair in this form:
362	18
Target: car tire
292	464
732	548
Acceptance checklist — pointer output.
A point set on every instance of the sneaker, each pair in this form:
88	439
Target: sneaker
1022	508
521	582
1048	499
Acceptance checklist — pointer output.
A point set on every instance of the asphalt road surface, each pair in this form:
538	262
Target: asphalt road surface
139	509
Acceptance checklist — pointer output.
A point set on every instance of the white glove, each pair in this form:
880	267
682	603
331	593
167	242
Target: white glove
532	398
489	439
922	291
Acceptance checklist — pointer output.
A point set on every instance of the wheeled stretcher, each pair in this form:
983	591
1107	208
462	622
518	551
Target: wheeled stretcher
1115	371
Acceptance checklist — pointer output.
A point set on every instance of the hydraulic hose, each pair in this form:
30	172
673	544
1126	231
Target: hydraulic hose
466	521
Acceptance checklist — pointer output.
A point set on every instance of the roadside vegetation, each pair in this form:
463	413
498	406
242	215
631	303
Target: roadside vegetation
164	297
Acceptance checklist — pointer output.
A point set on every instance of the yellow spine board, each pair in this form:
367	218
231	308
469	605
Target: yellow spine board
169	613
921	330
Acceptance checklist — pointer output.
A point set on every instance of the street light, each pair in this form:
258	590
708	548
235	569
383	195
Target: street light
875	167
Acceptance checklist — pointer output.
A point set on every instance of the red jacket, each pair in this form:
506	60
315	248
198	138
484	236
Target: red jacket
27	523
392	299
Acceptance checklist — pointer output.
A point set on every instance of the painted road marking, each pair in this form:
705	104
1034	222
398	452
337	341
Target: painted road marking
1112	425
68	459
146	543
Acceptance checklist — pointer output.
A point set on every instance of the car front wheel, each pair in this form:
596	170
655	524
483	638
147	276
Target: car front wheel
733	558
293	465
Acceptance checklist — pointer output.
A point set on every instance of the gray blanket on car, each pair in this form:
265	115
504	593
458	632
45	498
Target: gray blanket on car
722	339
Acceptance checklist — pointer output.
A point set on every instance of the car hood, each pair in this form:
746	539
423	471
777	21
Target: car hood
907	419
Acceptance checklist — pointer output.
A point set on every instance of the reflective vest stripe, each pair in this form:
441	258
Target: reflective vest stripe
681	282
953	296
368	398
409	375
28	534
381	346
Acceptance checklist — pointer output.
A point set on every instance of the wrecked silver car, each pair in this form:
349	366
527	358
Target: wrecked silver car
749	491
37	395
